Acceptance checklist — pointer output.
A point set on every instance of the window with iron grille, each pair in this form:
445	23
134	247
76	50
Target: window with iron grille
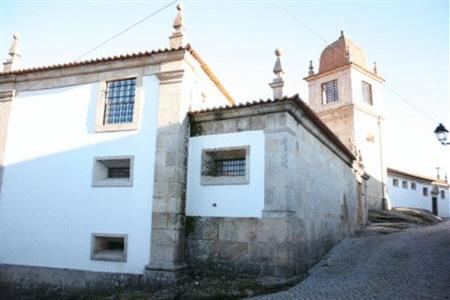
395	182
230	167
119	101
442	194
425	191
413	185
367	93
113	171
330	91
225	166
118	172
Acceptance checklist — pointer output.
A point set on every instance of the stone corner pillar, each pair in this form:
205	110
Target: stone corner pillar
5	106
167	264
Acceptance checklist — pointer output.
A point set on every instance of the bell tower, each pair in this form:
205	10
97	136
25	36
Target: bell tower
347	96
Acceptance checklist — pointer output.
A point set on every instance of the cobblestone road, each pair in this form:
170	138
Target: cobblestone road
414	264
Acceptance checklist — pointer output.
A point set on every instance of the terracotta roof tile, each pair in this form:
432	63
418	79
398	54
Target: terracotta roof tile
92	61
335	55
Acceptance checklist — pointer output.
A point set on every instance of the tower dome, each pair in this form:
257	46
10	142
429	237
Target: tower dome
340	53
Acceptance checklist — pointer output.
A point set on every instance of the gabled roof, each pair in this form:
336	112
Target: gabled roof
188	48
296	100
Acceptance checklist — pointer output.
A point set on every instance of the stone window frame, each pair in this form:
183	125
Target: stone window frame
105	256
395	182
367	92
323	88
100	126
207	180
98	172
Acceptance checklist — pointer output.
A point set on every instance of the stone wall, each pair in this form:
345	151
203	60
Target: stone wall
310	198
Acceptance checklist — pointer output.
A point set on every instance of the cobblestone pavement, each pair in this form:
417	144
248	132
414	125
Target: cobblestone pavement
414	264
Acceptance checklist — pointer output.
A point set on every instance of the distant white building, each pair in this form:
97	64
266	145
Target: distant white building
417	191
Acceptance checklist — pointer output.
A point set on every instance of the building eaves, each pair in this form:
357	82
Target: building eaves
296	100
188	48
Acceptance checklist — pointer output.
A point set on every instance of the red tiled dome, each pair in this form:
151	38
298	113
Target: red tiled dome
335	55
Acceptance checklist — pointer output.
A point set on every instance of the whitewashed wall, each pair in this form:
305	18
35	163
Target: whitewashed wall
243	200
401	197
48	208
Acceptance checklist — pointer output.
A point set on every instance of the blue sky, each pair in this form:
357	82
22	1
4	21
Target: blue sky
409	40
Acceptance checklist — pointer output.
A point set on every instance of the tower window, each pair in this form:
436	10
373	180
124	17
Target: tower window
330	91
367	93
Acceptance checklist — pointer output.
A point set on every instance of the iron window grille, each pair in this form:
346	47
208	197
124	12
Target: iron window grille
119	172
119	104
395	182
229	167
330	91
413	185
367	93
404	184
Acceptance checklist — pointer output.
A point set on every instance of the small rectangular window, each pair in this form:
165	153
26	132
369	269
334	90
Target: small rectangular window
330	91
225	166
404	184
425	191
395	182
109	247
413	185
367	93
442	194
112	171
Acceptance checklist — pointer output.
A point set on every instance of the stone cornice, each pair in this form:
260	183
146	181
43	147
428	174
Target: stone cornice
7	95
168	77
347	66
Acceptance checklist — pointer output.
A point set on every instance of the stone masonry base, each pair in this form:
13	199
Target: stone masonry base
51	282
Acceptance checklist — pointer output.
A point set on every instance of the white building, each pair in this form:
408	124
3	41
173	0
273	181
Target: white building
138	168
417	191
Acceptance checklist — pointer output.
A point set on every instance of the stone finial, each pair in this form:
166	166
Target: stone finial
14	54
375	69
177	37
342	34
178	22
311	68
278	68
277	83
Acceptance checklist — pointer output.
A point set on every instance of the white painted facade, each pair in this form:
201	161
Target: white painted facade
239	200
404	195
49	208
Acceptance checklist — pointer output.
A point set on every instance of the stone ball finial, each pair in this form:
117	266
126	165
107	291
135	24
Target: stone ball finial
180	6
278	52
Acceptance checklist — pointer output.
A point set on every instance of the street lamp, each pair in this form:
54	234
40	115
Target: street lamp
441	134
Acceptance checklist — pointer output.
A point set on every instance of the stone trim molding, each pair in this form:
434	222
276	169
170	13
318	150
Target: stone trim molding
170	77
349	65
7	95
